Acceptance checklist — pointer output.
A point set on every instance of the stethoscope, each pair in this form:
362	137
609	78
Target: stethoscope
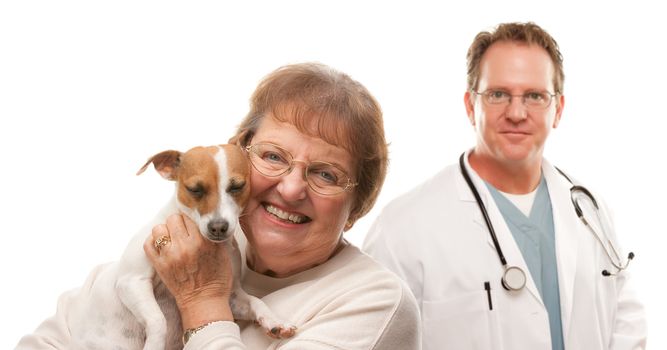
514	278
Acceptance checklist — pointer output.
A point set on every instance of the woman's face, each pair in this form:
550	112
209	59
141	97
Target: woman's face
290	227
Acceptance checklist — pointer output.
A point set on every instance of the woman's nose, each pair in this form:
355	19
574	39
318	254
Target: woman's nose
293	185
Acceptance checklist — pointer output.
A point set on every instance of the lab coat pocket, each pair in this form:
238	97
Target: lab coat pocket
464	322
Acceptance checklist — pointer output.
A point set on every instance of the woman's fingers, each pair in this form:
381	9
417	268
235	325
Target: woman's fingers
177	230
159	240
188	264
191	228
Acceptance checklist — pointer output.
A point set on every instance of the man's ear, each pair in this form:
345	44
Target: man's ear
165	163
559	110
468	100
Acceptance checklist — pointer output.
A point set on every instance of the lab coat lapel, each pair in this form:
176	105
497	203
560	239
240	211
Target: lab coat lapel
568	231
505	239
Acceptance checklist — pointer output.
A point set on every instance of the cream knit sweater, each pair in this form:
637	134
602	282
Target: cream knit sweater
349	302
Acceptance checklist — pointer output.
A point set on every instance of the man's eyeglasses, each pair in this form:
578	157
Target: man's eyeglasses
322	177
536	100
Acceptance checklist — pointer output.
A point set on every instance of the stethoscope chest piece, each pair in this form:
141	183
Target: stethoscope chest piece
514	279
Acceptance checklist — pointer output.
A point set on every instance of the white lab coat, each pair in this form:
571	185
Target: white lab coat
435	238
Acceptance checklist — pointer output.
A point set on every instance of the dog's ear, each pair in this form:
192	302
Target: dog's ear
234	140
241	138
165	163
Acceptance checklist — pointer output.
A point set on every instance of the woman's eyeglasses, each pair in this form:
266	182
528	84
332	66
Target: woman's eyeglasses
322	177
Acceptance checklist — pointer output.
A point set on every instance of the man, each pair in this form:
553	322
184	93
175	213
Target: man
492	247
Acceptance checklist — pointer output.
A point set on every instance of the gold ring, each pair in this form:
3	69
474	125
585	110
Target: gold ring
161	242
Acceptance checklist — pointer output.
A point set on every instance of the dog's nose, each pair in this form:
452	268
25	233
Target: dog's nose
218	227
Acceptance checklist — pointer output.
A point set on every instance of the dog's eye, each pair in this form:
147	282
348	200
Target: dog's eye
196	191
235	186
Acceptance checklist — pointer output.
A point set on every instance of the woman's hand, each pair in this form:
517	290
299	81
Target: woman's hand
196	271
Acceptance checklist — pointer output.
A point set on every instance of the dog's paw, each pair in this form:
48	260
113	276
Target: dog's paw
282	332
276	329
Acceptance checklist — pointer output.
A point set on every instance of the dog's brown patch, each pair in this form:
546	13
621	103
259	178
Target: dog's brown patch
198	180
239	171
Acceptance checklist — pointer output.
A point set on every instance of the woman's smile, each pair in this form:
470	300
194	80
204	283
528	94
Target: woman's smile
286	216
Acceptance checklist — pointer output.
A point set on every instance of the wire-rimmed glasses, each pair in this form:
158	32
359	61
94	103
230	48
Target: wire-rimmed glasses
322	177
536	100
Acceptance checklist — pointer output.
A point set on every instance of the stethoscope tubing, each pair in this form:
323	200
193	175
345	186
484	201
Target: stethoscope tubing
482	209
514	278
617	263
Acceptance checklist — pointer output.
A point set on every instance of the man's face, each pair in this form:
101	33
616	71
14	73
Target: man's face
511	132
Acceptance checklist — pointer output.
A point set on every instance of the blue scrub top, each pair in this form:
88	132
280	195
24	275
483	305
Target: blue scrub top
536	238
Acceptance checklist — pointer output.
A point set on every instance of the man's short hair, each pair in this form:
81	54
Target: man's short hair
528	33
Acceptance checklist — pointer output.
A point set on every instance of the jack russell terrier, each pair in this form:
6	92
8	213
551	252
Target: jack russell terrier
128	307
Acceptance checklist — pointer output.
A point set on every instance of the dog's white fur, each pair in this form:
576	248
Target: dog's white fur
127	307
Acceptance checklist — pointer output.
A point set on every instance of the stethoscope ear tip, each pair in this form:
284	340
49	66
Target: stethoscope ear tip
631	256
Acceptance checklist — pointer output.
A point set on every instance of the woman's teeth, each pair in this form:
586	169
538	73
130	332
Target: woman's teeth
297	219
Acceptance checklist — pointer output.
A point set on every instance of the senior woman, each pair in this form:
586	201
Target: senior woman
316	143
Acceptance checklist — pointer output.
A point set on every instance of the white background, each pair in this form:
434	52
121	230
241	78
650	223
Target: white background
89	90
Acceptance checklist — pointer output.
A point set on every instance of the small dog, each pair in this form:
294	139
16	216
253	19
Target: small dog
127	306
